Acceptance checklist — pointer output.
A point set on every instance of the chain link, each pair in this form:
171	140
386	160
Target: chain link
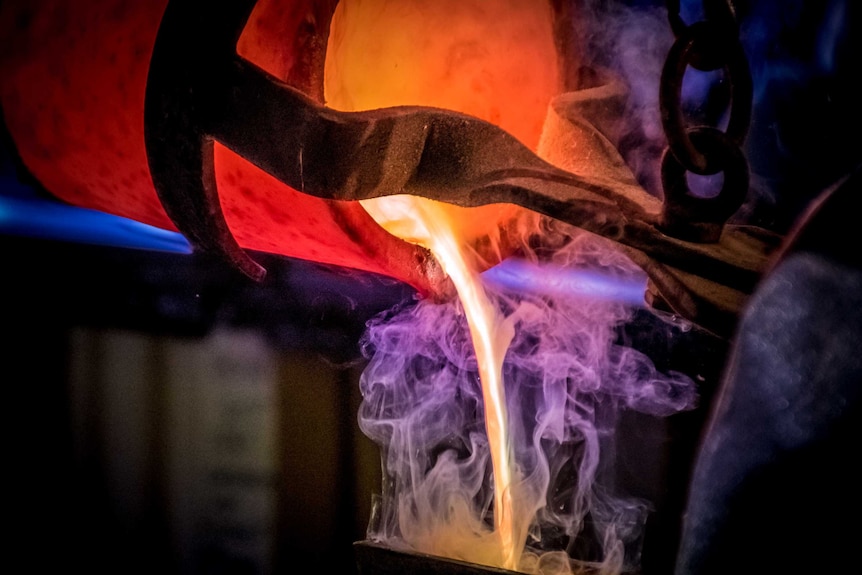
707	45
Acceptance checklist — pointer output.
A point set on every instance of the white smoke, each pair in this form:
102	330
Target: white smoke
567	381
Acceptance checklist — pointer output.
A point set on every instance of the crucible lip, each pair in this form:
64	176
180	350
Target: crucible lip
373	558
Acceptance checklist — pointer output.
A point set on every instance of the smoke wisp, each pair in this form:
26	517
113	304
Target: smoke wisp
567	380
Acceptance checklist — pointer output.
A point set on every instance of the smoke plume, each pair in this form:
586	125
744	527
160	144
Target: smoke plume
567	381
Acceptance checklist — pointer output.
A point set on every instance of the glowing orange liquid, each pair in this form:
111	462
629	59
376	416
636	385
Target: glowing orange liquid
494	60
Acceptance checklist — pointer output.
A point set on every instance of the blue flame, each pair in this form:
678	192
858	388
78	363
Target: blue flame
548	279
44	219
25	212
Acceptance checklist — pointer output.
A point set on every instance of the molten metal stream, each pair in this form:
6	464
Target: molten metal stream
497	61
426	222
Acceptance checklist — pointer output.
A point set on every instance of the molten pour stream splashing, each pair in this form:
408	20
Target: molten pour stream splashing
430	226
543	427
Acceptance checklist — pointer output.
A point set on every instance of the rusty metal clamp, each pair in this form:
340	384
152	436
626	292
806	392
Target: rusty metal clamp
199	90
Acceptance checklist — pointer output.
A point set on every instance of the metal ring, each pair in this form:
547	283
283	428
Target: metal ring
700	219
694	40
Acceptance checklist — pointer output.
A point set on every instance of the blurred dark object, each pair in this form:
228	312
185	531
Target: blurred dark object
774	485
90	475
806	117
776	481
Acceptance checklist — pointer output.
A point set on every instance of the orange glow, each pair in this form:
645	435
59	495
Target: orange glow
493	60
72	98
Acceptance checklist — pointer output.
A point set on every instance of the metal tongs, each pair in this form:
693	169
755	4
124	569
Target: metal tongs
199	91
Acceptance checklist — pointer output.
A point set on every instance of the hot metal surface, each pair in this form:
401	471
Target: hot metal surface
199	90
238	160
87	63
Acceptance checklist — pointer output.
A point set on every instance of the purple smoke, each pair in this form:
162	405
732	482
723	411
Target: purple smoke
567	382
